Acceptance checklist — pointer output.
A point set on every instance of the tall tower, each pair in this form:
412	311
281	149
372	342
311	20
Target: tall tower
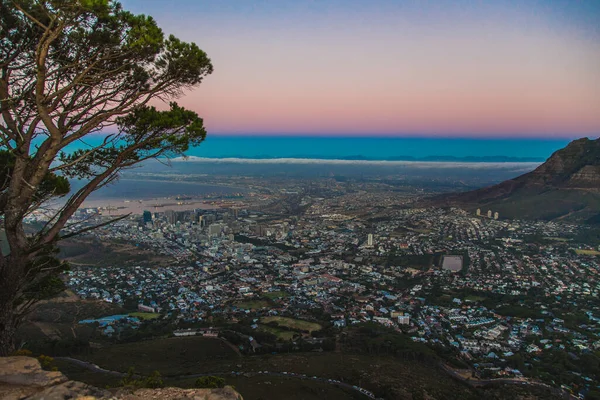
478	212
370	240
489	214
496	215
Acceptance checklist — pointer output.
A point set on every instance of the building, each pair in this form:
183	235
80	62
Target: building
403	319
147	216
370	240
215	230
496	215
478	212
489	213
144	308
170	216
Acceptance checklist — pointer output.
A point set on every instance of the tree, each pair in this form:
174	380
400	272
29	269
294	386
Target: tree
68	69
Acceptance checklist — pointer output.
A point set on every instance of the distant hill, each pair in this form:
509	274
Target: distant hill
565	187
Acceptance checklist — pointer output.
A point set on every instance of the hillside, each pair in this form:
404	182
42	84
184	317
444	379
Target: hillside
566	186
24	378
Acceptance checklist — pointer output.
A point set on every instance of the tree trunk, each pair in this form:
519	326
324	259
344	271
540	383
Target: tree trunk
7	330
10	281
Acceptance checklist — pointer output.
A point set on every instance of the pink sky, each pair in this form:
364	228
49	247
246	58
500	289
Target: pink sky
476	70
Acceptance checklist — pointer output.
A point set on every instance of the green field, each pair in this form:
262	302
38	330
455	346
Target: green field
587	252
474	298
557	239
144	315
251	304
293	323
280	333
276	295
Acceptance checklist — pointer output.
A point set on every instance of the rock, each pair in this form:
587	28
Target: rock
226	393
27	371
71	390
22	378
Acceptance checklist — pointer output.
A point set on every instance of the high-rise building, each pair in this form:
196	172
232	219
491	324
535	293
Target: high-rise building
370	239
496	215
479	212
215	230
489	214
170	216
147	216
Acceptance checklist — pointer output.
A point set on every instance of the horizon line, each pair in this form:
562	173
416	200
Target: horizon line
398	136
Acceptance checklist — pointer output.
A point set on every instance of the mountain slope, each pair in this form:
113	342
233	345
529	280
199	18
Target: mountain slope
566	186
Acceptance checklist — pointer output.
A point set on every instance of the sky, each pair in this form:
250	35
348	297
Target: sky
429	68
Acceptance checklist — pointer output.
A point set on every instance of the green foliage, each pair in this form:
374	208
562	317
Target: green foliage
46	362
376	339
22	352
51	186
209	382
153	381
72	68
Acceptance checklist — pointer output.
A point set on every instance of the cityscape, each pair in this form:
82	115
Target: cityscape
299	200
497	298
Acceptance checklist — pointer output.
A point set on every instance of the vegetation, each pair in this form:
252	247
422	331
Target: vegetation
587	252
153	381
144	315
46	362
209	382
276	295
251	304
173	356
389	377
69	69
296	324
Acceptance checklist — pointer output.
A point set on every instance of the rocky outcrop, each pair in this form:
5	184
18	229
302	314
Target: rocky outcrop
586	177
226	393
27	371
23	378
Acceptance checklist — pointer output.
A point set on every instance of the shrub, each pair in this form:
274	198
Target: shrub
46	362
153	381
22	352
209	382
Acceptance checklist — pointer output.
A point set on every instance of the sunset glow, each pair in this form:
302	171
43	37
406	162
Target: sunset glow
458	68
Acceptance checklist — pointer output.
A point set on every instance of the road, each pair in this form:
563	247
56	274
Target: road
98	369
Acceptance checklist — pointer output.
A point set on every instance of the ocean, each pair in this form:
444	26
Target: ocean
472	162
371	148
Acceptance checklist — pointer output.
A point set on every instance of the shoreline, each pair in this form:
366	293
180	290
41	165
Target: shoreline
313	161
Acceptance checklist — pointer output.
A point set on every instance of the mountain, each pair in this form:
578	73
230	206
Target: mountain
565	187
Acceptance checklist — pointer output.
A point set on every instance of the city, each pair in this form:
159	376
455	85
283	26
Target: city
497	297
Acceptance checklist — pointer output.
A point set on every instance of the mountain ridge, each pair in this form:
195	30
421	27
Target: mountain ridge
566	186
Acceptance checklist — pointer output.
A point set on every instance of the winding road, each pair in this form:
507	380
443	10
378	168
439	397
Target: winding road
95	368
